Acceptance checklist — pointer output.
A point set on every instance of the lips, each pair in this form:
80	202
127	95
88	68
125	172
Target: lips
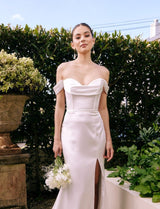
83	45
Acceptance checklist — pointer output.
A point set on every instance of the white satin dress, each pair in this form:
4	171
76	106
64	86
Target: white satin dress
83	141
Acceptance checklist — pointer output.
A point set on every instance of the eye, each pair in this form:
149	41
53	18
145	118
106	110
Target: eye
87	35
77	37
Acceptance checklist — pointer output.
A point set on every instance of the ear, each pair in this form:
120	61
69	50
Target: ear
94	40
72	45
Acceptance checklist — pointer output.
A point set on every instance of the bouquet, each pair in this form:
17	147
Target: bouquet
57	174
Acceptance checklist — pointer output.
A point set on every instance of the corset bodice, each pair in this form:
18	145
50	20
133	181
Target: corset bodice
82	97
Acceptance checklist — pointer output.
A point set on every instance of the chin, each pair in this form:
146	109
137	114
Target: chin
85	51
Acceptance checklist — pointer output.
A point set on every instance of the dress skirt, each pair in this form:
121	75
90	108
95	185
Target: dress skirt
83	142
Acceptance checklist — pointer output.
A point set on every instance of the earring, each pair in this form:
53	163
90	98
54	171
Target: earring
93	51
74	55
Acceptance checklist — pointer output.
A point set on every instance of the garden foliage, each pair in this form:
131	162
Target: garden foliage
142	169
133	99
18	76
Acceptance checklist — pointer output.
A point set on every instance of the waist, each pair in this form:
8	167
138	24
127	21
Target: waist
82	110
84	116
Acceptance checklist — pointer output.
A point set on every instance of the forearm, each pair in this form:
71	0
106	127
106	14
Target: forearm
58	118
105	117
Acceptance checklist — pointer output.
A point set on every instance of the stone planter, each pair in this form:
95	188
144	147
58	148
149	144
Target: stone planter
13	191
11	109
120	197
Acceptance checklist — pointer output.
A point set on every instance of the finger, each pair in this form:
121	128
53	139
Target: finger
109	158
60	152
53	149
55	154
105	154
111	155
108	153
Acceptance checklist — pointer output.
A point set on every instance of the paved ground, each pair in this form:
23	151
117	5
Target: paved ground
45	204
44	201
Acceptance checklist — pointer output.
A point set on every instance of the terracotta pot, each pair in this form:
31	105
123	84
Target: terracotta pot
11	109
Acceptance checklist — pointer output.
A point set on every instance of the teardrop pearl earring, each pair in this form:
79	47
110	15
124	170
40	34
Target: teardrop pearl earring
93	51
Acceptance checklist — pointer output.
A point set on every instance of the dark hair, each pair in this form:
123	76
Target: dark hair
83	24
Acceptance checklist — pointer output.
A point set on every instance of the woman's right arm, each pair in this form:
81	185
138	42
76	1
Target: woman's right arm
58	116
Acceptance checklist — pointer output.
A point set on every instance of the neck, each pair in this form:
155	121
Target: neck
84	58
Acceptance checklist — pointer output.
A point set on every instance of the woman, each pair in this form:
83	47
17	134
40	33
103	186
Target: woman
84	133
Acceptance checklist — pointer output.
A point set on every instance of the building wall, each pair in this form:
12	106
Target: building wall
154	31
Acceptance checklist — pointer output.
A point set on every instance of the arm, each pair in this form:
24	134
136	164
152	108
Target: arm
103	110
58	116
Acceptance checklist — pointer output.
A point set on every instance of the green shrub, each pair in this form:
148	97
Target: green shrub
143	166
18	76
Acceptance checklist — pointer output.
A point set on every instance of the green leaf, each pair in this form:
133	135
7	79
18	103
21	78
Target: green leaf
143	189
147	178
114	174
156	198
158	185
111	169
154	187
121	182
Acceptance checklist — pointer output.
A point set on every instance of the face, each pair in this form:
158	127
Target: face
82	40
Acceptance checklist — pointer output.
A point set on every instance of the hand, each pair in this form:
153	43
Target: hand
57	148
110	151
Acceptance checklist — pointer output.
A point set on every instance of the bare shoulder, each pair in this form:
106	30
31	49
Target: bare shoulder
60	69
104	72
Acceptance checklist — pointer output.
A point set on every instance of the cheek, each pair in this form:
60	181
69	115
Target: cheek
91	41
76	42
91	44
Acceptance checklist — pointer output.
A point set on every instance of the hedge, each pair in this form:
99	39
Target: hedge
133	99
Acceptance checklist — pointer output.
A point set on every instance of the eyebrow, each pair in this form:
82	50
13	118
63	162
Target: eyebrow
77	34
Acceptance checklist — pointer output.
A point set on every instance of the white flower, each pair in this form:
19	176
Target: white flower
65	167
58	175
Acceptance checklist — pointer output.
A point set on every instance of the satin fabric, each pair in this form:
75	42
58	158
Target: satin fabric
83	142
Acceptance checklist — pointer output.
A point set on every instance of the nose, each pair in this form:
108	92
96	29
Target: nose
82	38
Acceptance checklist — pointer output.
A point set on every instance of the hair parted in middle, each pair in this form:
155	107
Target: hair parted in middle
83	24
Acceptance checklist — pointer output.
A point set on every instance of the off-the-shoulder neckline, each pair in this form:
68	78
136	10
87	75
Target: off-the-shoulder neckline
81	83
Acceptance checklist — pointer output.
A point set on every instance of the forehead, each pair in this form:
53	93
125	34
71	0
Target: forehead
81	30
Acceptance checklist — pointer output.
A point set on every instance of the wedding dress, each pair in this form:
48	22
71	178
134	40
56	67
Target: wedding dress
83	142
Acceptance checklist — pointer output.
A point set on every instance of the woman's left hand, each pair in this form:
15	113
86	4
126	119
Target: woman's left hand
109	150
